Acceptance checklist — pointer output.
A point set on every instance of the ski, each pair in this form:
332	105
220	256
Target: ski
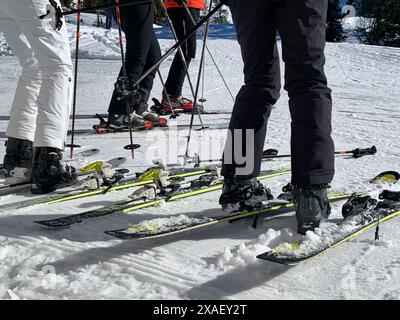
63	196
77	116
157	109
330	235
82	154
135	204
101	130
172	225
169	226
18	187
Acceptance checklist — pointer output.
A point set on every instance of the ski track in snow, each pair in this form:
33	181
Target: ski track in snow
216	262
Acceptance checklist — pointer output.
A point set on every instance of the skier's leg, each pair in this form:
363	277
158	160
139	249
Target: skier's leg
137	24
301	25
51	49
192	41
146	86
21	127
256	31
177	73
153	55
24	106
117	107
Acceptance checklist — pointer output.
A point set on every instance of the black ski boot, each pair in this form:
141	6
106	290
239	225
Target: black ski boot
49	172
142	109
18	160
312	205
248	194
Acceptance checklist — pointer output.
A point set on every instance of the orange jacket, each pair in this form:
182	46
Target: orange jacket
195	4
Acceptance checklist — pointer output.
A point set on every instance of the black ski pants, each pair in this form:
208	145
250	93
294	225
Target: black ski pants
182	23
301	25
142	49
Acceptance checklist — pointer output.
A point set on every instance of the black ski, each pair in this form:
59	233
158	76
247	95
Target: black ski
332	235
63	195
135	204
168	226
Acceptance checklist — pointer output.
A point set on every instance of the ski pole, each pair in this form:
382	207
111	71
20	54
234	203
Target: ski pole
198	83
189	14
178	44
78	36
102	7
131	146
196	159
273	154
182	58
174	115
356	153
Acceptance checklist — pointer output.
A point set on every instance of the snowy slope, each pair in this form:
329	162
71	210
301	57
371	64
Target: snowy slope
219	262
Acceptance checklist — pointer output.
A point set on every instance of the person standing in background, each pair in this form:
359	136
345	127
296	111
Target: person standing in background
142	51
182	23
109	19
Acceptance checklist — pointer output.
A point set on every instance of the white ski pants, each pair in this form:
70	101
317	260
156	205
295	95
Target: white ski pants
42	103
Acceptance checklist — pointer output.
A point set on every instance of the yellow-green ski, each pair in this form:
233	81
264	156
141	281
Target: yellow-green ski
131	205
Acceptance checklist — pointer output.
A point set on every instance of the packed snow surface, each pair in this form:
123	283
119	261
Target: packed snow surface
218	262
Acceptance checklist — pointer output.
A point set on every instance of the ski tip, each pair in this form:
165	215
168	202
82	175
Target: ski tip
116	234
51	224
263	256
387	177
268	256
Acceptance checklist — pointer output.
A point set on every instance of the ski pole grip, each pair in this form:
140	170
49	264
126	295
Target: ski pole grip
358	153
